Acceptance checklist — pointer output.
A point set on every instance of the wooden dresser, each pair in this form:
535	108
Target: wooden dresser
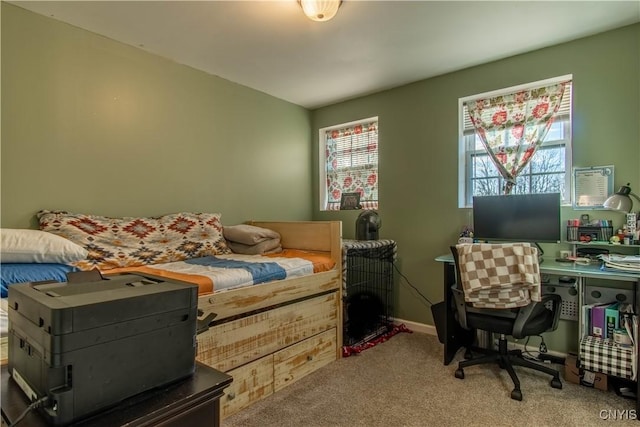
192	401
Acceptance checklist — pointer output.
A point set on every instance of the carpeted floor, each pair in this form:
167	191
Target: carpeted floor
402	382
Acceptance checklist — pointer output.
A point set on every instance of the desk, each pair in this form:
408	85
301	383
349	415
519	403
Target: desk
192	401
456	337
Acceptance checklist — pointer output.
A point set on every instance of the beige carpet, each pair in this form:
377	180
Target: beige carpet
403	382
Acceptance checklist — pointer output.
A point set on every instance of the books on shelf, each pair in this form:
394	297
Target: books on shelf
586	319
611	319
601	319
598	319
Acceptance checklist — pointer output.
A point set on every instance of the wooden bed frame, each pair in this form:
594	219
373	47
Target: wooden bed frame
270	335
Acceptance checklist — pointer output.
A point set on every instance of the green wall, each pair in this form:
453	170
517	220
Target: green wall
418	143
95	126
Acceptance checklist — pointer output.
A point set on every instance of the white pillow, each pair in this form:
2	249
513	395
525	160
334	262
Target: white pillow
28	246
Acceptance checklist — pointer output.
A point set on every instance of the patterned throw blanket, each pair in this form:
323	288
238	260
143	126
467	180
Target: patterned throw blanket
505	275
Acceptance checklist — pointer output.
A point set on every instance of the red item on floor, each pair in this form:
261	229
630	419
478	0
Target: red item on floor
351	350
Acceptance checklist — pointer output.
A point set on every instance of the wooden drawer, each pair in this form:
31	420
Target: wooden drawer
300	359
238	301
251	383
232	344
4	350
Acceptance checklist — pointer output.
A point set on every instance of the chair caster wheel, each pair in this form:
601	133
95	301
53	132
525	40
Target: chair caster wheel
459	374
516	394
468	355
555	383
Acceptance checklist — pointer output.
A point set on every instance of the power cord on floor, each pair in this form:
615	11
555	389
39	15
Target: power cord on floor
542	349
34	405
409	283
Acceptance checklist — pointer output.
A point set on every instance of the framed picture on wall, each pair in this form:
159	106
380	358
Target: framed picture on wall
592	186
350	201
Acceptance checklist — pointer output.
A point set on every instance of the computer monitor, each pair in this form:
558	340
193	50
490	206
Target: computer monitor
531	218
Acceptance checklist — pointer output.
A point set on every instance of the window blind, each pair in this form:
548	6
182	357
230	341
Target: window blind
352	164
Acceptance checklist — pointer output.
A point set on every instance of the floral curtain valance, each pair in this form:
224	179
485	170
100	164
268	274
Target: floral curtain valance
352	164
513	126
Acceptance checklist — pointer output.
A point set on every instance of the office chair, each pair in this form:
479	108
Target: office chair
532	319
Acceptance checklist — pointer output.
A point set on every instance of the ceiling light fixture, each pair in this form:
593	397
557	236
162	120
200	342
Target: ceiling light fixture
320	10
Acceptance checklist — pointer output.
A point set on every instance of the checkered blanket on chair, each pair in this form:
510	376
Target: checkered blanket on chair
499	275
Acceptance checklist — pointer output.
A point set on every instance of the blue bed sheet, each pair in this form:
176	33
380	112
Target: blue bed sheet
21	273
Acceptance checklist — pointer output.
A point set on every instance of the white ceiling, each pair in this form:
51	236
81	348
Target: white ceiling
369	46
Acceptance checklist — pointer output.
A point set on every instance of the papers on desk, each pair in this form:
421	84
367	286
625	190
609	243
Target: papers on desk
633	259
622	262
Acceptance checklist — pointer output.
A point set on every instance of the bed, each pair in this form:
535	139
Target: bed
268	335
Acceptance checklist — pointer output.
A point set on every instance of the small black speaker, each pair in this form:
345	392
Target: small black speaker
367	225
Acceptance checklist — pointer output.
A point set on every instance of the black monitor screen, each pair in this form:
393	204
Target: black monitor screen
522	218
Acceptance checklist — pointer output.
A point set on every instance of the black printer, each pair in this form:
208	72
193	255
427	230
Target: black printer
88	345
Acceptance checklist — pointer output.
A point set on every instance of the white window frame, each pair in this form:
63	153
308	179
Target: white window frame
322	158
466	144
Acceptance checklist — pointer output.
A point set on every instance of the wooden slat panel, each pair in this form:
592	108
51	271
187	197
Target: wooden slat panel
4	350
306	235
325	236
251	383
312	235
237	342
233	302
298	360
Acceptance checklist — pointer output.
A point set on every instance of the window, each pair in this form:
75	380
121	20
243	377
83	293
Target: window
549	169
349	163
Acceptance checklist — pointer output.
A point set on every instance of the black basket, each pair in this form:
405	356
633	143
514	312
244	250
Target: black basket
587	234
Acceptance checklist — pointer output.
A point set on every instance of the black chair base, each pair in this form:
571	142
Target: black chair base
507	360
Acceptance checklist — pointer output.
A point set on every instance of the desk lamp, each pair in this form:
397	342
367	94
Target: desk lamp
620	201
